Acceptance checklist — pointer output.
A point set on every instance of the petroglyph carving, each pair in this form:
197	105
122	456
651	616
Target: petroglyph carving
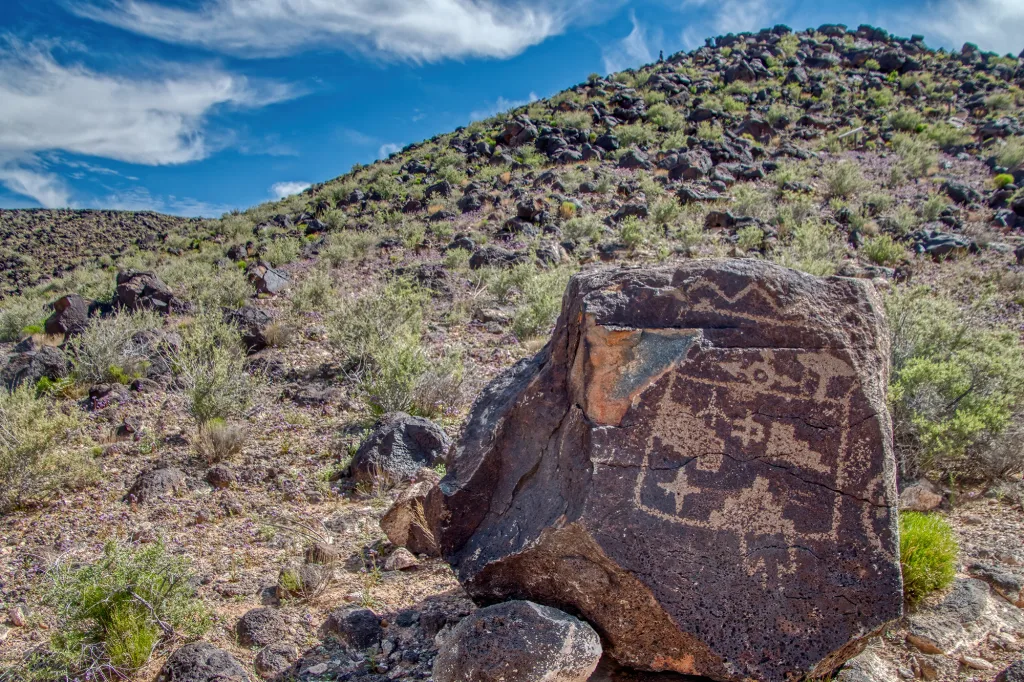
699	463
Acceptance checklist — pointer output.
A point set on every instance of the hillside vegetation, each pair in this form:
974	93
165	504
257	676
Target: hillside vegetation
405	285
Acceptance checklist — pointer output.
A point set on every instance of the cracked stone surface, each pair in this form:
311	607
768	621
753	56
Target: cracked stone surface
699	464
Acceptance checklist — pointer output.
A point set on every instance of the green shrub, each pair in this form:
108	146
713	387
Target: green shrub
636	134
1001	101
634	232
916	156
347	247
957	388
40	450
205	284
872	65
1002	180
109	350
665	117
928	554
587	228
113	614
541	303
316	292
210	369
573	119
906	120
844	179
813	248
884	250
933	206
1011	154
17	314
220	440
750	238
880	98
710	131
948	137
282	251
666	211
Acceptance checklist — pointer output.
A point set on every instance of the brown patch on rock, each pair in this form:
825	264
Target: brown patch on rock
699	463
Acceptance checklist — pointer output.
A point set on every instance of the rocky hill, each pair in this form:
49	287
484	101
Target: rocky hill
39	244
210	397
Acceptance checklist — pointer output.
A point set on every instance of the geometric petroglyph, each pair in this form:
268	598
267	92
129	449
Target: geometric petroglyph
699	463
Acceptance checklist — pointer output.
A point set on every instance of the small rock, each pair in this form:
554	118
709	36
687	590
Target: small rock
518	641
18	615
274	659
358	628
921	497
202	662
400	560
261	627
1014	673
405	523
399	446
155	483
976	663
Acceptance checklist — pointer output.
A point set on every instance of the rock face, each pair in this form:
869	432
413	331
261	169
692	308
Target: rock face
699	464
202	662
70	316
518	641
405	523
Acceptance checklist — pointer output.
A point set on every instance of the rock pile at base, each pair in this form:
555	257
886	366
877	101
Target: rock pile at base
699	464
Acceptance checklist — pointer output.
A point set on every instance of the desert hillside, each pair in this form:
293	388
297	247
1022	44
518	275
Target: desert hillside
189	404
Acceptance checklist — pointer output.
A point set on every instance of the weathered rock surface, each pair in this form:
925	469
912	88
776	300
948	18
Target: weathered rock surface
518	641
398	448
405	522
1013	673
963	620
154	483
70	316
699	464
261	627
202	662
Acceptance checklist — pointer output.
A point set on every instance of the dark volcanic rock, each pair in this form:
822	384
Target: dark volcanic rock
518	641
145	291
398	448
261	627
202	662
252	324
155	483
267	280
70	316
32	364
358	628
1014	673
699	464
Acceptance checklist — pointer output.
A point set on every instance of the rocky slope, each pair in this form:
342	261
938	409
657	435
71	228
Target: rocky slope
833	151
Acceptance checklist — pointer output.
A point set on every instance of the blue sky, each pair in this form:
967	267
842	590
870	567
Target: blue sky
195	107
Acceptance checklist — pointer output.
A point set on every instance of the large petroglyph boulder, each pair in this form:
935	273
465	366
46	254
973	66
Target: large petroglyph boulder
699	464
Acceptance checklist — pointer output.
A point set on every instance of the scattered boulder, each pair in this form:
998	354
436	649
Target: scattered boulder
518	641
30	363
921	496
267	280
261	627
400	560
398	447
497	256
138	290
357	628
960	192
868	667
405	523
274	659
688	427
1013	673
155	483
70	316
202	662
252	324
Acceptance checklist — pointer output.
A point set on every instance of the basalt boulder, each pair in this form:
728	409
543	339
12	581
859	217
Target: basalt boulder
699	464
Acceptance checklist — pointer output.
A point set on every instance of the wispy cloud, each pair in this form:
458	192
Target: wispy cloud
388	149
994	25
501	105
418	30
47	106
280	190
718	17
631	51
141	199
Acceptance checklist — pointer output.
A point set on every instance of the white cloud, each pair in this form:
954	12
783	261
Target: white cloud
419	30
49	106
994	25
629	52
280	190
388	149
730	16
500	106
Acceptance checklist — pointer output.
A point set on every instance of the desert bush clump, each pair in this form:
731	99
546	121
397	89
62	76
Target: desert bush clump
349	246
957	387
282	251
220	440
665	117
884	250
584	229
110	350
1002	180
113	614
928	554
541	303
813	248
916	157
210	369
315	293
948	137
40	448
19	313
906	120
1011	154
636	134
206	284
843	179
